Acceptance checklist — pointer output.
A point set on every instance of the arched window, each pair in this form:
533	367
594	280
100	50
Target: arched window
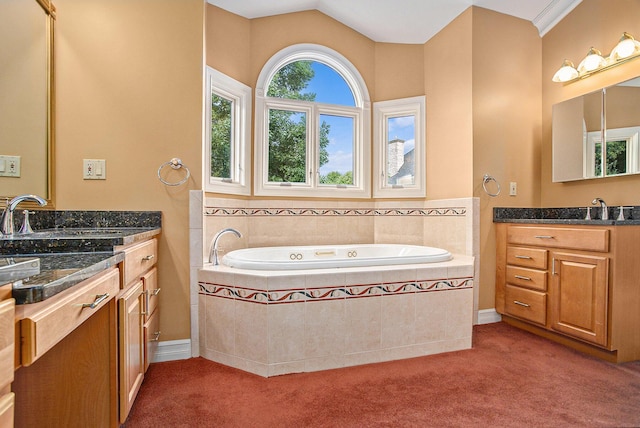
312	134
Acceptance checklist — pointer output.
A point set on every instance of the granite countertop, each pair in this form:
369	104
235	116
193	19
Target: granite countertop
570	215
72	246
60	271
74	240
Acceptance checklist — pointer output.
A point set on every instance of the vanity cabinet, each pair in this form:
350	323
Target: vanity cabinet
7	346
577	285
67	375
137	298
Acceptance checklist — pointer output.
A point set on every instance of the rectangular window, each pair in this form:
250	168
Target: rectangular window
227	134
399	156
401	137
288	155
221	136
335	157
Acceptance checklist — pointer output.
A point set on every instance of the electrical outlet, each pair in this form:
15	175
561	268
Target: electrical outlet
9	166
513	188
94	169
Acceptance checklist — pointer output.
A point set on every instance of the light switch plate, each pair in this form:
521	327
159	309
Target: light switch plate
94	169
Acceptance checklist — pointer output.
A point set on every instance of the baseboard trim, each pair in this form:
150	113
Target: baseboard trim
171	350
488	316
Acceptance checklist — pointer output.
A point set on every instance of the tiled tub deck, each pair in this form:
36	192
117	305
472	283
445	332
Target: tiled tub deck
276	322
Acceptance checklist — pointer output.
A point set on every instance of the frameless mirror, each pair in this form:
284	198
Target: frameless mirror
597	135
26	104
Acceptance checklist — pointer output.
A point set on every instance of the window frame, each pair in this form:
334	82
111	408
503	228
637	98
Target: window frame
241	97
361	114
382	112
630	134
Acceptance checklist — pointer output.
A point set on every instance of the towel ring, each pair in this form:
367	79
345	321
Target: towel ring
174	163
486	179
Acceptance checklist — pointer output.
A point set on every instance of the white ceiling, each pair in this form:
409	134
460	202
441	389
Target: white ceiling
403	21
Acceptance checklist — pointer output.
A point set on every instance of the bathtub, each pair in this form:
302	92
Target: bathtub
273	322
332	256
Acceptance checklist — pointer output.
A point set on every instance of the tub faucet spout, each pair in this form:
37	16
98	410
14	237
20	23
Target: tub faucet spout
213	254
603	206
6	224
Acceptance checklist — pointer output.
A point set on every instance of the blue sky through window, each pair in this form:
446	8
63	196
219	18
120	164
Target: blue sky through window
331	88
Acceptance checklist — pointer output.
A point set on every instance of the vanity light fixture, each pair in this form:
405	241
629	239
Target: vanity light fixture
627	49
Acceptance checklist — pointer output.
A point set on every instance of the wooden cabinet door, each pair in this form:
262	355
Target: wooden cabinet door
132	343
579	296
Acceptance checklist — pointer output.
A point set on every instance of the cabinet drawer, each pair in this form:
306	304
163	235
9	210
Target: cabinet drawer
527	257
151	292
526	304
7	341
44	324
138	259
530	278
587	239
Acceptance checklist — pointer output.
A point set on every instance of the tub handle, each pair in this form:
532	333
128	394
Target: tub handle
325	253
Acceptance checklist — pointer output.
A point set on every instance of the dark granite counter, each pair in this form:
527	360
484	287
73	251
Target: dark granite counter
60	271
572	215
73	246
74	240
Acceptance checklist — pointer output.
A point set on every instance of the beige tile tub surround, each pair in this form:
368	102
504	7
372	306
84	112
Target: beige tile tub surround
451	224
271	323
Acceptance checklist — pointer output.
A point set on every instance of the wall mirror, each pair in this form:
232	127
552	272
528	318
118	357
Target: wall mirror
27	101
596	135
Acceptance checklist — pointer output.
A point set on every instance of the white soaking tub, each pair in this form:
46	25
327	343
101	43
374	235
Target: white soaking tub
332	256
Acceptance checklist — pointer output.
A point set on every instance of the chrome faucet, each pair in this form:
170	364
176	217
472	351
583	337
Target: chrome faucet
6	224
603	206
213	254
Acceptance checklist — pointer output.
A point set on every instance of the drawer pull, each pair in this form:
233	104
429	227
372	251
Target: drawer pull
157	337
526	278
544	237
517	302
155	292
147	258
523	257
99	299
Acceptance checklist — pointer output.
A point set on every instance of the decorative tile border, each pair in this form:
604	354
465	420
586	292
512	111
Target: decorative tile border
338	212
332	292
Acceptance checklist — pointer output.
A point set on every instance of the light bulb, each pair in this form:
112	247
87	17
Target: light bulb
566	72
626	47
591	62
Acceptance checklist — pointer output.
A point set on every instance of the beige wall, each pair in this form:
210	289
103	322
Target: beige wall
399	71
449	94
597	23
227	43
507	96
129	90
